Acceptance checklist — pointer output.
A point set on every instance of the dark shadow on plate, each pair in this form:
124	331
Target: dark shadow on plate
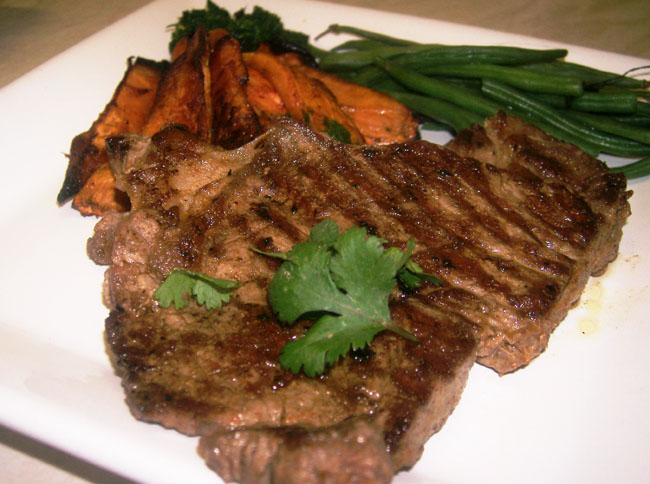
59	459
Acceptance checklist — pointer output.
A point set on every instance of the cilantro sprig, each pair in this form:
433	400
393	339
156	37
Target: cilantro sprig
343	280
206	290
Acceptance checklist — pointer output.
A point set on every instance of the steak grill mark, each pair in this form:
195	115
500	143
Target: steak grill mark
512	267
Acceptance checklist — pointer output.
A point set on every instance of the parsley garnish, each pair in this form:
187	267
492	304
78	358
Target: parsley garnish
343	281
205	289
250	29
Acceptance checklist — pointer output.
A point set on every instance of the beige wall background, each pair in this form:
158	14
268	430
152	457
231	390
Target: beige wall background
32	31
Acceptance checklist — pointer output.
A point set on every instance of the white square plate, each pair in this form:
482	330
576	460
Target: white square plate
578	413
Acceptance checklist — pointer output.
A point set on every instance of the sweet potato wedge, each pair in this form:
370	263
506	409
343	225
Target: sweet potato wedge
379	117
126	112
99	195
181	95
226	98
263	97
179	89
305	99
234	122
181	46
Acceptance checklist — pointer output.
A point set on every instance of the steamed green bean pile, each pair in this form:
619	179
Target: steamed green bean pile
454	86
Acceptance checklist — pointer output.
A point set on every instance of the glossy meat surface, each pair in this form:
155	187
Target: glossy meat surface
511	249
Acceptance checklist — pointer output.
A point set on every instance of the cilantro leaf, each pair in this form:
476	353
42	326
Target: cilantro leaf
343	281
399	257
412	275
409	272
303	284
206	290
363	272
326	232
274	255
325	343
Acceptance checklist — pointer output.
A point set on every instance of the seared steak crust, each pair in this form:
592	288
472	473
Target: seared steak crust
297	455
206	373
512	262
585	211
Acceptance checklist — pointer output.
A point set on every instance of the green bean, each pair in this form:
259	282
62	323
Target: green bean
373	77
589	75
634	170
422	56
643	107
600	111
554	100
508	55
513	76
367	76
474	84
471	53
366	34
597	102
640	93
438	110
610	125
358	44
609	143
476	54
388	85
317	52
431	125
356	59
640	120
446	91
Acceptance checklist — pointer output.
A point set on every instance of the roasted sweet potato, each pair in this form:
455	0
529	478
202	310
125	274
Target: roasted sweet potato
181	96
213	37
379	117
226	98
126	112
143	103
99	195
263	97
183	93
305	99
234	122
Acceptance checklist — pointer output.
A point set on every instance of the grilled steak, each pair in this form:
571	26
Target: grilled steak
582	206
512	263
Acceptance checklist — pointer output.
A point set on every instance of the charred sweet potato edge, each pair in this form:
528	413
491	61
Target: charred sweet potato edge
227	98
